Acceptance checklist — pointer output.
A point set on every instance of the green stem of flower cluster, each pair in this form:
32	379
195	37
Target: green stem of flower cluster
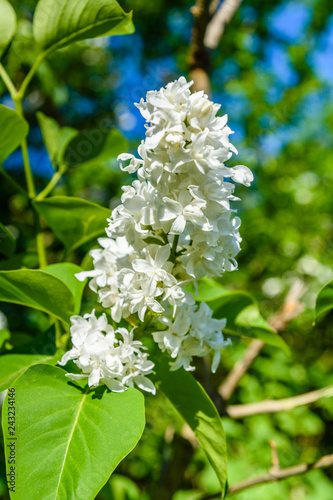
53	182
18	97
173	255
26	162
7	81
21	92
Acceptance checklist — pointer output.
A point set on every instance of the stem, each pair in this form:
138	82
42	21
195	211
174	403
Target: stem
58	333
13	182
53	182
25	154
28	78
31	189
7	81
172	257
40	244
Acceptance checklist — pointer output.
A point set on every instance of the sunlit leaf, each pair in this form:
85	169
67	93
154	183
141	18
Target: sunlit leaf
192	402
7	24
13	130
66	271
71	439
56	138
57	23
39	290
73	220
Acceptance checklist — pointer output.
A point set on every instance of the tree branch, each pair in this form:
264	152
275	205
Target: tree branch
278	475
276	405
216	27
275	475
199	58
230	383
291	308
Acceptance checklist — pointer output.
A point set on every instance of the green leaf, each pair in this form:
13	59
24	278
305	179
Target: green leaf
70	440
41	350
324	302
93	147
7	241
7	24
73	220
58	23
56	138
13	130
192	402
39	290
242	313
66	273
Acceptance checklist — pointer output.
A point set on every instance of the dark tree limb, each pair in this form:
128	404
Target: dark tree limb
199	58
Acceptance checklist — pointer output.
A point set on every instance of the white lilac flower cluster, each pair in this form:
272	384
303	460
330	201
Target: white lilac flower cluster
174	225
107	356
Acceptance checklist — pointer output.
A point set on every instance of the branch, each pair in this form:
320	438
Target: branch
276	475
199	59
222	17
230	383
291	308
267	406
274	406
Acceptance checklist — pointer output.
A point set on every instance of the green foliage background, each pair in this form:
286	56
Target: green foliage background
286	224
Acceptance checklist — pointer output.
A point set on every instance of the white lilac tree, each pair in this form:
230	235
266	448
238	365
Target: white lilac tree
159	308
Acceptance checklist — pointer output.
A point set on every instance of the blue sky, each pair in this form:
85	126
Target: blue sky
287	24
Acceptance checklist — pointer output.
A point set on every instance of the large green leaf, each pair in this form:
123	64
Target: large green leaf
324	302
7	24
95	146
57	23
70	440
73	220
7	241
66	273
242	313
37	289
56	138
41	350
197	409
13	130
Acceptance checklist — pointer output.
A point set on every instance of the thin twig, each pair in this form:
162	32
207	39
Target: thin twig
222	17
278	475
291	308
275	457
230	383
276	405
